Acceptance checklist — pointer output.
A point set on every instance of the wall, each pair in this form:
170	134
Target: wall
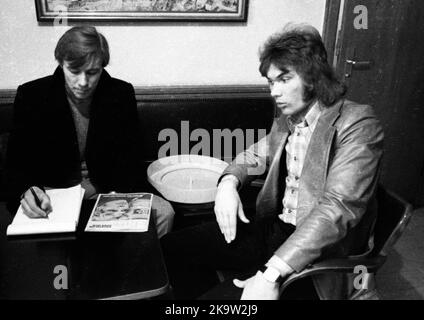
155	54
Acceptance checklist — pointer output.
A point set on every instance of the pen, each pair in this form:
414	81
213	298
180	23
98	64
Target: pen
37	200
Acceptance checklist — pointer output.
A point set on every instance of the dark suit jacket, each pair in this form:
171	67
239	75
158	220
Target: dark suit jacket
336	210
43	147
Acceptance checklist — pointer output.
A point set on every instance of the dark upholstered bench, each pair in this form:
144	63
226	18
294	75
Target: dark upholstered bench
239	110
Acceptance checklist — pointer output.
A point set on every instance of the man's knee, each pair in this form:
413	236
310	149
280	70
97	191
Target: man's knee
164	214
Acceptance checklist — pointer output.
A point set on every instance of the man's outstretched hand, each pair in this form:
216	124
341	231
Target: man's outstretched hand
227	207
257	288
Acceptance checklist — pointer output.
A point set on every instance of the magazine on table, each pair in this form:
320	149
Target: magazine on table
121	212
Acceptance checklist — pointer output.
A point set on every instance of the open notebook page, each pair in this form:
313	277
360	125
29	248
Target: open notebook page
66	204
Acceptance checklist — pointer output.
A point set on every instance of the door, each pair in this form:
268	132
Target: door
378	50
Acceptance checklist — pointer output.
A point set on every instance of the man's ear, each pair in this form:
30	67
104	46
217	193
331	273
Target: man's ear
309	86
310	89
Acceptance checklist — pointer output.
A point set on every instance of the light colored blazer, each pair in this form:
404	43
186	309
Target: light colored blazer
336	207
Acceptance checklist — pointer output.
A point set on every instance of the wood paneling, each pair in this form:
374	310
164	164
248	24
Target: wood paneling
394	84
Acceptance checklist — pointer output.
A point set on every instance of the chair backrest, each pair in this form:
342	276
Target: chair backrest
393	216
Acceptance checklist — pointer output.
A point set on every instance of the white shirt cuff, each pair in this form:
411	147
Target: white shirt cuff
280	265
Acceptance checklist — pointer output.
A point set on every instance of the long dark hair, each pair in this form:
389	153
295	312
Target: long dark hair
303	50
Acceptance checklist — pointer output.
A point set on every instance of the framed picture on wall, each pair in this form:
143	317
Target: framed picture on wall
142	10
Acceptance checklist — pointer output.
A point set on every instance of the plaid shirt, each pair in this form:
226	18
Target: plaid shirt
296	148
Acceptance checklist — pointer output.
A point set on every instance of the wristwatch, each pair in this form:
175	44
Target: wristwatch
272	274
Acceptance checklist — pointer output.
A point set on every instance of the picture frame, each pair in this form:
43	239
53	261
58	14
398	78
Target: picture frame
142	10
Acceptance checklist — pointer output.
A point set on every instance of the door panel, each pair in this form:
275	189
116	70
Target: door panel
392	80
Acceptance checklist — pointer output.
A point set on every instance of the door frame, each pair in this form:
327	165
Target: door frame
330	27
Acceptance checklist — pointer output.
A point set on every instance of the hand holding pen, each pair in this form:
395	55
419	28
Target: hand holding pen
36	203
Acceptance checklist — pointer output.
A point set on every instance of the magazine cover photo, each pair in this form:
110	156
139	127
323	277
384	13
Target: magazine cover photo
121	212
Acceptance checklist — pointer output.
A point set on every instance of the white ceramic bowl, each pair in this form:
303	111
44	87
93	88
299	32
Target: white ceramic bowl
186	178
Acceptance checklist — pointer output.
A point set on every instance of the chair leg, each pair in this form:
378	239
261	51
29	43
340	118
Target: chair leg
366	294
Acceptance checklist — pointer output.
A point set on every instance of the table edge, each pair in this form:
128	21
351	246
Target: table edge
141	295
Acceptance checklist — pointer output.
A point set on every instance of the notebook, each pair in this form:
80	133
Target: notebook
66	204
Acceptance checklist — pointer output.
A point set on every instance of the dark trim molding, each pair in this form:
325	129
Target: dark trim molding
201	92
7	96
179	92
329	33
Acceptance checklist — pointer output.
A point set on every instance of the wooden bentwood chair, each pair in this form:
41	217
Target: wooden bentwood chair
393	216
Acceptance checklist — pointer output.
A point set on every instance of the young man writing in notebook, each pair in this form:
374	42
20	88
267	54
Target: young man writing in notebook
322	156
78	125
